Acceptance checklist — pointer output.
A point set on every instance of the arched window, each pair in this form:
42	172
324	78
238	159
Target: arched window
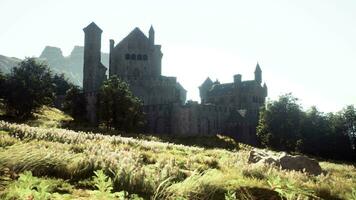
127	56
133	57
139	57
144	57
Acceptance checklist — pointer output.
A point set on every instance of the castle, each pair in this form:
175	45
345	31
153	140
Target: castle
230	108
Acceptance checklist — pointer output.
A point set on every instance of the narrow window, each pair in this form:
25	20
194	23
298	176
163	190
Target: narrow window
144	57
127	56
139	57
133	57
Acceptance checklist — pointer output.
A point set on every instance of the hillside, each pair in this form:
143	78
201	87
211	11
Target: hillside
71	66
7	63
63	163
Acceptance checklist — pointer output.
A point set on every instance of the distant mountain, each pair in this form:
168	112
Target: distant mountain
71	66
7	63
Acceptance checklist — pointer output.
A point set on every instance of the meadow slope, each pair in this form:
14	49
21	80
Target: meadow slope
53	163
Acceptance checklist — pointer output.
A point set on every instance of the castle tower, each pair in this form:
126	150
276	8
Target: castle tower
93	70
151	35
258	74
204	88
265	90
92	57
112	45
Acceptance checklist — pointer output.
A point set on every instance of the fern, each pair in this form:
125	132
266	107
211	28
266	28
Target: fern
288	190
230	195
28	187
104	185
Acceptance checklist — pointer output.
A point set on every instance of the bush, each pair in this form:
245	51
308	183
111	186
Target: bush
27	88
118	107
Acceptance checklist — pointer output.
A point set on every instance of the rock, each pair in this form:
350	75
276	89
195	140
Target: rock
285	161
300	163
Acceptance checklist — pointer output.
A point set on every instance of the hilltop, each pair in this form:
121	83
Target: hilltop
71	66
7	63
62	165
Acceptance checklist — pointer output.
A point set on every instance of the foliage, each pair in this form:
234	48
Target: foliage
118	108
2	85
279	125
156	169
230	195
283	125
28	87
349	114
288	189
61	84
49	117
28	187
75	103
103	184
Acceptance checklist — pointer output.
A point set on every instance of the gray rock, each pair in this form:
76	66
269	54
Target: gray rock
300	163
285	161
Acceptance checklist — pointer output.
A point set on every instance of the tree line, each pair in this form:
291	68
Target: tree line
285	126
32	85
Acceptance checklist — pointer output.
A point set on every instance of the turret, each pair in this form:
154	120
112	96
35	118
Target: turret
112	43
92	57
204	88
265	89
258	74
237	79
151	35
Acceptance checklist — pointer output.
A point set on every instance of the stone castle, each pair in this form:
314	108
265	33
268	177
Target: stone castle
230	109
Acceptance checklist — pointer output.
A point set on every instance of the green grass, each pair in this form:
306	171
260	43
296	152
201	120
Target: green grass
152	169
49	117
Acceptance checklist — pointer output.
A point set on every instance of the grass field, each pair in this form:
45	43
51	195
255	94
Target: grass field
51	163
45	162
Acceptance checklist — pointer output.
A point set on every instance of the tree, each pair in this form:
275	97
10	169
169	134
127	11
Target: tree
279	123
75	103
2	83
28	87
61	84
117	106
349	114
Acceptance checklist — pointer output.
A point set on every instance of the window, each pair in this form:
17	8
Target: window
139	57
144	57
127	56
133	57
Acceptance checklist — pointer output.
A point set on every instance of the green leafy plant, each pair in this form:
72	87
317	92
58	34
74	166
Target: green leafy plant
229	195
104	185
287	189
28	187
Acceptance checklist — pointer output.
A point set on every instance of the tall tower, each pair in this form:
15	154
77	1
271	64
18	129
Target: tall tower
151	35
258	74
93	70
92	58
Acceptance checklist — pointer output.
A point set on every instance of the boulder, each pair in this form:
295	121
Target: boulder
300	163
285	161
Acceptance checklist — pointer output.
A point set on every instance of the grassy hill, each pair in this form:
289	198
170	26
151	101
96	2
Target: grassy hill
54	163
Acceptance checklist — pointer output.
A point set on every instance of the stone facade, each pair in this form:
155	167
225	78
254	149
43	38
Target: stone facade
230	108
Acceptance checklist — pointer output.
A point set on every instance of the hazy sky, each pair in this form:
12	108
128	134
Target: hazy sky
307	47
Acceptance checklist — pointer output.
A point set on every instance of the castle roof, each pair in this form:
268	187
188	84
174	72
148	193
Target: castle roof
179	86
92	27
221	89
208	82
151	29
258	68
136	34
